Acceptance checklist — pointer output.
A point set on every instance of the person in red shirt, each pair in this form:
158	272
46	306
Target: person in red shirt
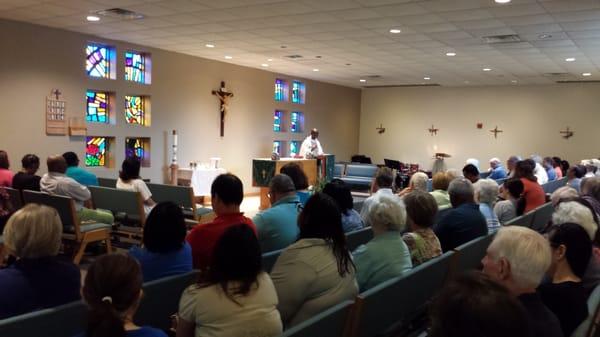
226	193
532	191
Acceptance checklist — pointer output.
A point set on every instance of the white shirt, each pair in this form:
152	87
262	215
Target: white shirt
59	184
217	315
312	146
540	173
136	185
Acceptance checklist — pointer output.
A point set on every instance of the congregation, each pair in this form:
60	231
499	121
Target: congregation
532	283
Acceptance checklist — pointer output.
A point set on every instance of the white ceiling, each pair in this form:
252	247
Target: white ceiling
352	36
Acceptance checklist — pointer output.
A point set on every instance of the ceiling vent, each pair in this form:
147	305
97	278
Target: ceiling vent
578	81
403	85
120	13
294	57
495	39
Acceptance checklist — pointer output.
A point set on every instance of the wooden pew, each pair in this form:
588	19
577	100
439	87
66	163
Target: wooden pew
127	207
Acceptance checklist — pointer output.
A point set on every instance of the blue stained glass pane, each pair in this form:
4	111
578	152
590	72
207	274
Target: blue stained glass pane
277	147
97	107
134	148
295	121
294	148
297	92
279	90
135	67
277	121
97	61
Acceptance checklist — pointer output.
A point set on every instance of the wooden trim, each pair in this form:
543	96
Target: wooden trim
76	221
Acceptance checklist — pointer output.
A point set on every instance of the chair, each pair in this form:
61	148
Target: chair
392	304
469	255
359	237
107	182
429	185
330	322
66	320
73	229
269	259
543	214
589	327
484	175
180	195
161	299
338	170
16	199
120	202
524	220
552	186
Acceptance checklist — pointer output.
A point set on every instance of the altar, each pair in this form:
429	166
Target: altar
263	169
200	179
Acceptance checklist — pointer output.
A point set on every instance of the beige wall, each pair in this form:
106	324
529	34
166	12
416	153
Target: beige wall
531	117
36	59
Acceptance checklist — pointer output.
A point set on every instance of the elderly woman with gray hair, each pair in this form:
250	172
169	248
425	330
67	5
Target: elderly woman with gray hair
417	182
386	255
38	278
486	196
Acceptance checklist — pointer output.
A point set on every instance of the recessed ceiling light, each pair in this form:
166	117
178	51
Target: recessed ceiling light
502	1
92	18
450	53
426	78
264	65
395	31
228	57
544	36
362	80
513	81
570	59
315	69
269	60
208	45
586	74
467	82
487	69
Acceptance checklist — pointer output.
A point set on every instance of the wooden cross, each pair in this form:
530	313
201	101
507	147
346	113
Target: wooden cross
432	130
567	133
56	93
496	131
380	129
224	97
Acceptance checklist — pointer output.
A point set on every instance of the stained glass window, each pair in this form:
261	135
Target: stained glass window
135	67
277	116
297	92
294	148
134	110
280	89
95	151
277	147
97	107
97	61
296	121
135	148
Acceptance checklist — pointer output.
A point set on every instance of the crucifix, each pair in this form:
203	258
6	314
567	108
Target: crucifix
224	97
432	130
56	93
567	133
496	131
380	129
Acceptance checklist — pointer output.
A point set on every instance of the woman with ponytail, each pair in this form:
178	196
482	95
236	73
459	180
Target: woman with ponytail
113	290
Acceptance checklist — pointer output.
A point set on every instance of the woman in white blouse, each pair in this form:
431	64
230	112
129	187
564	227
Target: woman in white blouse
129	179
234	297
317	271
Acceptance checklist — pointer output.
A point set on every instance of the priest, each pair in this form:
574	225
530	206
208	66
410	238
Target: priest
311	147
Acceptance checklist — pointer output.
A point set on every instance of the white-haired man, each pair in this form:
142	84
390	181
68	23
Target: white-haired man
497	171
518	258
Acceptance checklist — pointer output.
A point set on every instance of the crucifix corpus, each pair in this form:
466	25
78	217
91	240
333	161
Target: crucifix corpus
224	97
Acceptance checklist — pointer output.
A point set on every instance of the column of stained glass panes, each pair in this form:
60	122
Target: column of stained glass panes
96	106
134	110
95	151
97	61
135	67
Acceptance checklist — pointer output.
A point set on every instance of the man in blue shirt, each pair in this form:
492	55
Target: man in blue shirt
277	226
496	169
77	173
464	222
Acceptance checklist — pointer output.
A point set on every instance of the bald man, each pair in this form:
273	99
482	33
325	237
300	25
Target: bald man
311	147
57	183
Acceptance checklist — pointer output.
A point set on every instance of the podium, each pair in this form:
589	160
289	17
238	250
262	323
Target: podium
263	169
